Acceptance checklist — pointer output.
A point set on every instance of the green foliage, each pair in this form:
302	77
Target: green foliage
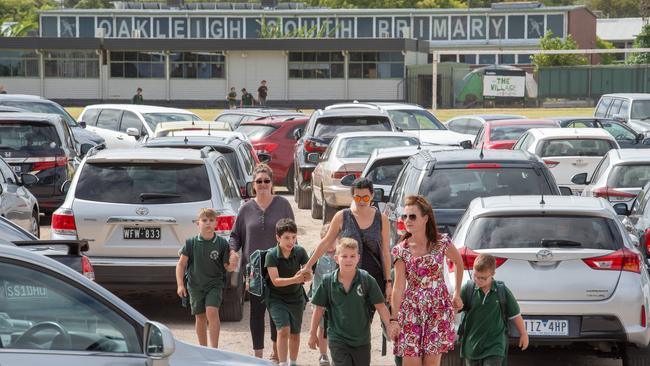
615	8
382	4
274	30
605	58
642	41
88	4
548	42
24	12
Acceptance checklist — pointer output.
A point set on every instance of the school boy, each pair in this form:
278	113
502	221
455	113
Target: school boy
286	298
348	294
207	258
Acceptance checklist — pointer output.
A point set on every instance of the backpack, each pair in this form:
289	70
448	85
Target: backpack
257	273
190	255
468	295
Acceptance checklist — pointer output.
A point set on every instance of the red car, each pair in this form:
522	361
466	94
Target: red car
503	134
274	136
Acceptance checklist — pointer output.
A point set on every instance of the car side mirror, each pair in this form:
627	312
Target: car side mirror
82	124
348	180
264	157
619	118
133	132
297	133
580	178
466	144
378	195
85	148
65	186
313	158
565	191
621	209
249	189
28	179
159	342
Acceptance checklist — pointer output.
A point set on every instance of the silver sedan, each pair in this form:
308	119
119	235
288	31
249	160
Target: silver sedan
17	203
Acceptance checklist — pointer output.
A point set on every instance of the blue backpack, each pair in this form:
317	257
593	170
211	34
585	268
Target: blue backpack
257	273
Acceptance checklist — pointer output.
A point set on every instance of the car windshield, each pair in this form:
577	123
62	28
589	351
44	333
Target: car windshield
629	176
576	147
543	232
329	127
25	136
640	109
256	132
361	147
385	172
137	183
41	107
415	119
455	188
154	119
513	132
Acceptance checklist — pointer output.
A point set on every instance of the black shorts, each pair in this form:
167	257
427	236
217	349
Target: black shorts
344	355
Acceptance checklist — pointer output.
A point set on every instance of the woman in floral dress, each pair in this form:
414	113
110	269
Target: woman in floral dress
421	304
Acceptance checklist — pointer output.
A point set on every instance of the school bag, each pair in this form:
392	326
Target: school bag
257	273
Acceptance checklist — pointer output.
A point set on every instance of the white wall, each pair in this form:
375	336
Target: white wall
376	89
245	69
200	89
125	88
22	85
68	88
308	89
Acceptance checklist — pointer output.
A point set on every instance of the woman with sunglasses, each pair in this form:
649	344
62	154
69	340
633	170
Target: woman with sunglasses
369	228
421	304
255	229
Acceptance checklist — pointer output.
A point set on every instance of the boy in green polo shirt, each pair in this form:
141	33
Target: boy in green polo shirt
484	341
353	291
286	297
207	256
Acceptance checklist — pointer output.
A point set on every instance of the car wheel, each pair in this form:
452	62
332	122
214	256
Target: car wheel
303	197
328	211
636	356
452	358
316	210
290	180
34	226
232	308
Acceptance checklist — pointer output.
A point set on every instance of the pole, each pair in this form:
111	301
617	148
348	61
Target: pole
434	81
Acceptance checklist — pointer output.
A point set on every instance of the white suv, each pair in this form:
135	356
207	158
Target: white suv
137	207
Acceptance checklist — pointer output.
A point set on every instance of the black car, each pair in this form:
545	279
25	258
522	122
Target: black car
235	117
238	152
36	104
626	137
451	179
322	127
42	145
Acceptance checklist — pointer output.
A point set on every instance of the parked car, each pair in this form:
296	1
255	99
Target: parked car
568	151
619	176
238	153
275	136
502	134
576	274
191	128
40	145
625	135
322	127
127	125
53	315
469	125
235	117
36	104
17	203
451	179
138	207
347	154
631	108
412	118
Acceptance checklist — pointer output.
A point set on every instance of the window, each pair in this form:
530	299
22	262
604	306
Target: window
27	137
385	172
153	119
486	59
503	133
376	65
130	120
601	109
316	65
625	108
473	126
256	132
362	147
507	59
137	65
468	59
19	64
231	119
629	176
458	125
329	127
71	64
109	119
524	59
613	110
6	175
90	116
600	168
446	58
197	65
415	119
619	132
228	184
640	110
245	150
576	147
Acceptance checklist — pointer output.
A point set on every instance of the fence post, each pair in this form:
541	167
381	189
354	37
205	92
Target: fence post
434	81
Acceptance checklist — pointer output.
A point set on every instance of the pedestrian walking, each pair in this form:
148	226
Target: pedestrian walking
421	304
255	229
489	306
232	98
262	92
247	99
138	98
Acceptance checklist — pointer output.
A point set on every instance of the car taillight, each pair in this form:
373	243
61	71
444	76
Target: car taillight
341	174
224	225
482	166
646	240
469	256
643	316
620	260
63	222
306	175
613	195
265	147
314	146
551	163
49	163
401	227
87	268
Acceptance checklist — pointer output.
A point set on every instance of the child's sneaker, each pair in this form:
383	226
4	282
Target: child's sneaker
324	361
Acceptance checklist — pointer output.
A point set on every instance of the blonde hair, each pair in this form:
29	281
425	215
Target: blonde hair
207	212
485	263
347	243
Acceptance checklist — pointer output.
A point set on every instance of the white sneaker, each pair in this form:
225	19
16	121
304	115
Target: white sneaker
323	361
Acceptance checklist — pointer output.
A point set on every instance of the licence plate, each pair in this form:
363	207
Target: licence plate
17	169
142	233
547	327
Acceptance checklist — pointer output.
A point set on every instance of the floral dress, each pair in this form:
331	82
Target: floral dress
426	316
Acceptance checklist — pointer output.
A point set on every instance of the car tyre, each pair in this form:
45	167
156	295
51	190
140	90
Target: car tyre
34	225
452	358
316	210
232	308
303	197
290	180
636	356
328	211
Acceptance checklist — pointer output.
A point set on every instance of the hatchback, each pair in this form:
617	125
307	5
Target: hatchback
576	274
471	124
17	203
237	116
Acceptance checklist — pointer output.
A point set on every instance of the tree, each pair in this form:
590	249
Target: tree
368	4
605	58
642	41
24	12
548	42
616	8
88	4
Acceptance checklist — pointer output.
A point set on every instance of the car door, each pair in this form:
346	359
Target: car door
625	137
108	125
14	199
130	120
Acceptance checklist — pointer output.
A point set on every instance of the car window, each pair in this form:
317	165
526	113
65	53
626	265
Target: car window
153	119
503	133
138	183
613	109
256	132
90	116
454	188
629	176
473	126
415	119
246	151
458	125
640	202
131	120
229	186
602	107
362	147
6	173
408	185
640	109
67	135
619	132
109	119
524	142
76	320
576	147
544	232
625	108
328	127
478	141
27	137
581	124
231	119
600	168
42	107
385	171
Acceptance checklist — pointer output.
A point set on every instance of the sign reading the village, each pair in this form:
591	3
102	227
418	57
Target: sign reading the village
504	83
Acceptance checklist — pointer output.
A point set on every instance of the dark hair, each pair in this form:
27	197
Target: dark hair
139	89
262	168
286	226
361	183
427	210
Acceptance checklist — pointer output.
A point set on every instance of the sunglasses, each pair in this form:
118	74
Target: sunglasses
265	181
358	198
481	278
411	217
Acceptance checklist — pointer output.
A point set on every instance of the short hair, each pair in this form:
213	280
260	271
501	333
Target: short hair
263	168
243	89
207	212
286	226
347	243
139	89
485	262
323	230
361	183
264	81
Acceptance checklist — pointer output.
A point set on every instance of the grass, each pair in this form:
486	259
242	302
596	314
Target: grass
442	114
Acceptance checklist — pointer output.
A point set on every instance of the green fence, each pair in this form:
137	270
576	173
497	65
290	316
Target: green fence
592	81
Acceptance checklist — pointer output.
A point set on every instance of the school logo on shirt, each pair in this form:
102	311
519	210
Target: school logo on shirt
214	255
359	290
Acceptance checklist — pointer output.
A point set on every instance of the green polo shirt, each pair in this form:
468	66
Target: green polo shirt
485	333
207	263
287	268
348	317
